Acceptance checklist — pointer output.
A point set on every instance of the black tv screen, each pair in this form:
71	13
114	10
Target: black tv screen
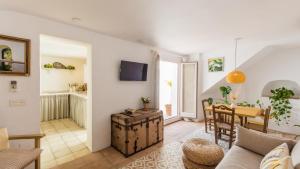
133	71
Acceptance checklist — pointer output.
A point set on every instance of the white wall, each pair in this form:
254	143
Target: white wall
272	63
248	51
281	64
59	79
109	95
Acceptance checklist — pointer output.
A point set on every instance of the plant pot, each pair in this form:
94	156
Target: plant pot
146	106
168	109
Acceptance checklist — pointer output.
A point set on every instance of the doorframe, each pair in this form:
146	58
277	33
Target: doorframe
178	62
89	47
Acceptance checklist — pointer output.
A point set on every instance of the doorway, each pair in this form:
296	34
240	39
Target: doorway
65	78
168	89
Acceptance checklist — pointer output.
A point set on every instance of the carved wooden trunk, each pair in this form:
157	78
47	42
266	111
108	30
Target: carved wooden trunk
135	132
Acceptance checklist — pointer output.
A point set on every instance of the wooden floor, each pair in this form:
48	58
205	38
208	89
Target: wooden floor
109	158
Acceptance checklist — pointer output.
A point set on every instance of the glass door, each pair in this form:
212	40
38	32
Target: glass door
168	89
189	82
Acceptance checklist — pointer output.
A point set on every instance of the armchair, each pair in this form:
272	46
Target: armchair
20	158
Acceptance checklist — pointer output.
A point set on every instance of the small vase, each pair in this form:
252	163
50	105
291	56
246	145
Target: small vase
168	109
232	105
146	106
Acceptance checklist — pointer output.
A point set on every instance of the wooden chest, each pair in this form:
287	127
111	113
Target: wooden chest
135	132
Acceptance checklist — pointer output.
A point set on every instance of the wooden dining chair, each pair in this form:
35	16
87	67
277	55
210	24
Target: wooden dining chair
208	117
260	123
224	123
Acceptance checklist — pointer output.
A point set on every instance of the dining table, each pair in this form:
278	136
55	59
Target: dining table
241	111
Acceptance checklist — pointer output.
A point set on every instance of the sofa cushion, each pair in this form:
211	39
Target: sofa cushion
282	163
296	156
275	155
4	143
17	158
240	158
259	142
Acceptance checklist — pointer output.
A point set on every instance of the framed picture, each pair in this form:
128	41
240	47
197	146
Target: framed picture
216	64
14	56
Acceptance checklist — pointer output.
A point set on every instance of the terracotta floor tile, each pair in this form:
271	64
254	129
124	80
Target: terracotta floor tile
62	142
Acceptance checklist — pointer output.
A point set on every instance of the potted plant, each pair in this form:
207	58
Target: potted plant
210	101
70	67
225	91
146	101
245	104
281	105
169	105
259	103
48	66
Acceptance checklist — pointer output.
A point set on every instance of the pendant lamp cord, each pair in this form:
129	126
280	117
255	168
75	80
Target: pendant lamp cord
236	43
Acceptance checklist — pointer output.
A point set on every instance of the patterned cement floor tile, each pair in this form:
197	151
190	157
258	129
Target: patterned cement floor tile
170	156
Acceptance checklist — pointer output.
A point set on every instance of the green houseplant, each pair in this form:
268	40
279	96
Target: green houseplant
225	91
210	101
281	104
259	103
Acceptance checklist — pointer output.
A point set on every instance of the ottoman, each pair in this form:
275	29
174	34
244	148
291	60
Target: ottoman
201	154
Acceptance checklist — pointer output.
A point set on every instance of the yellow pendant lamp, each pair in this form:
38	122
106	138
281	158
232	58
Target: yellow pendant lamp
236	77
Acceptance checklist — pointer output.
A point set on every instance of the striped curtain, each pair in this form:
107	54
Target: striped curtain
54	107
156	63
78	110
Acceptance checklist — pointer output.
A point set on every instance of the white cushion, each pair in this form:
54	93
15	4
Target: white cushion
275	155
283	163
296	156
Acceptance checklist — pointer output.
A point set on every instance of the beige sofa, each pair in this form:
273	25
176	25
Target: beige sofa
250	148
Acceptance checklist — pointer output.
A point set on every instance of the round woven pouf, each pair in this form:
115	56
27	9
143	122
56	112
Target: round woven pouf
202	152
191	165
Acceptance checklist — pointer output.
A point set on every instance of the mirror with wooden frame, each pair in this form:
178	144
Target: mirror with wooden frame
14	56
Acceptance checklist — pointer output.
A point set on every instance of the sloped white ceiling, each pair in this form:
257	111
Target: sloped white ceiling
182	26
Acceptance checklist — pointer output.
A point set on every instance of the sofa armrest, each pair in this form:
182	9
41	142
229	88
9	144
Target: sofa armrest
258	142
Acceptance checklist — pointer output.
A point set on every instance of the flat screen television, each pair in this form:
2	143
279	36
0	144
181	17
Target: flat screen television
133	71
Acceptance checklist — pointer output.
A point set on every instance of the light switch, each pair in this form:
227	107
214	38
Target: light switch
17	103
